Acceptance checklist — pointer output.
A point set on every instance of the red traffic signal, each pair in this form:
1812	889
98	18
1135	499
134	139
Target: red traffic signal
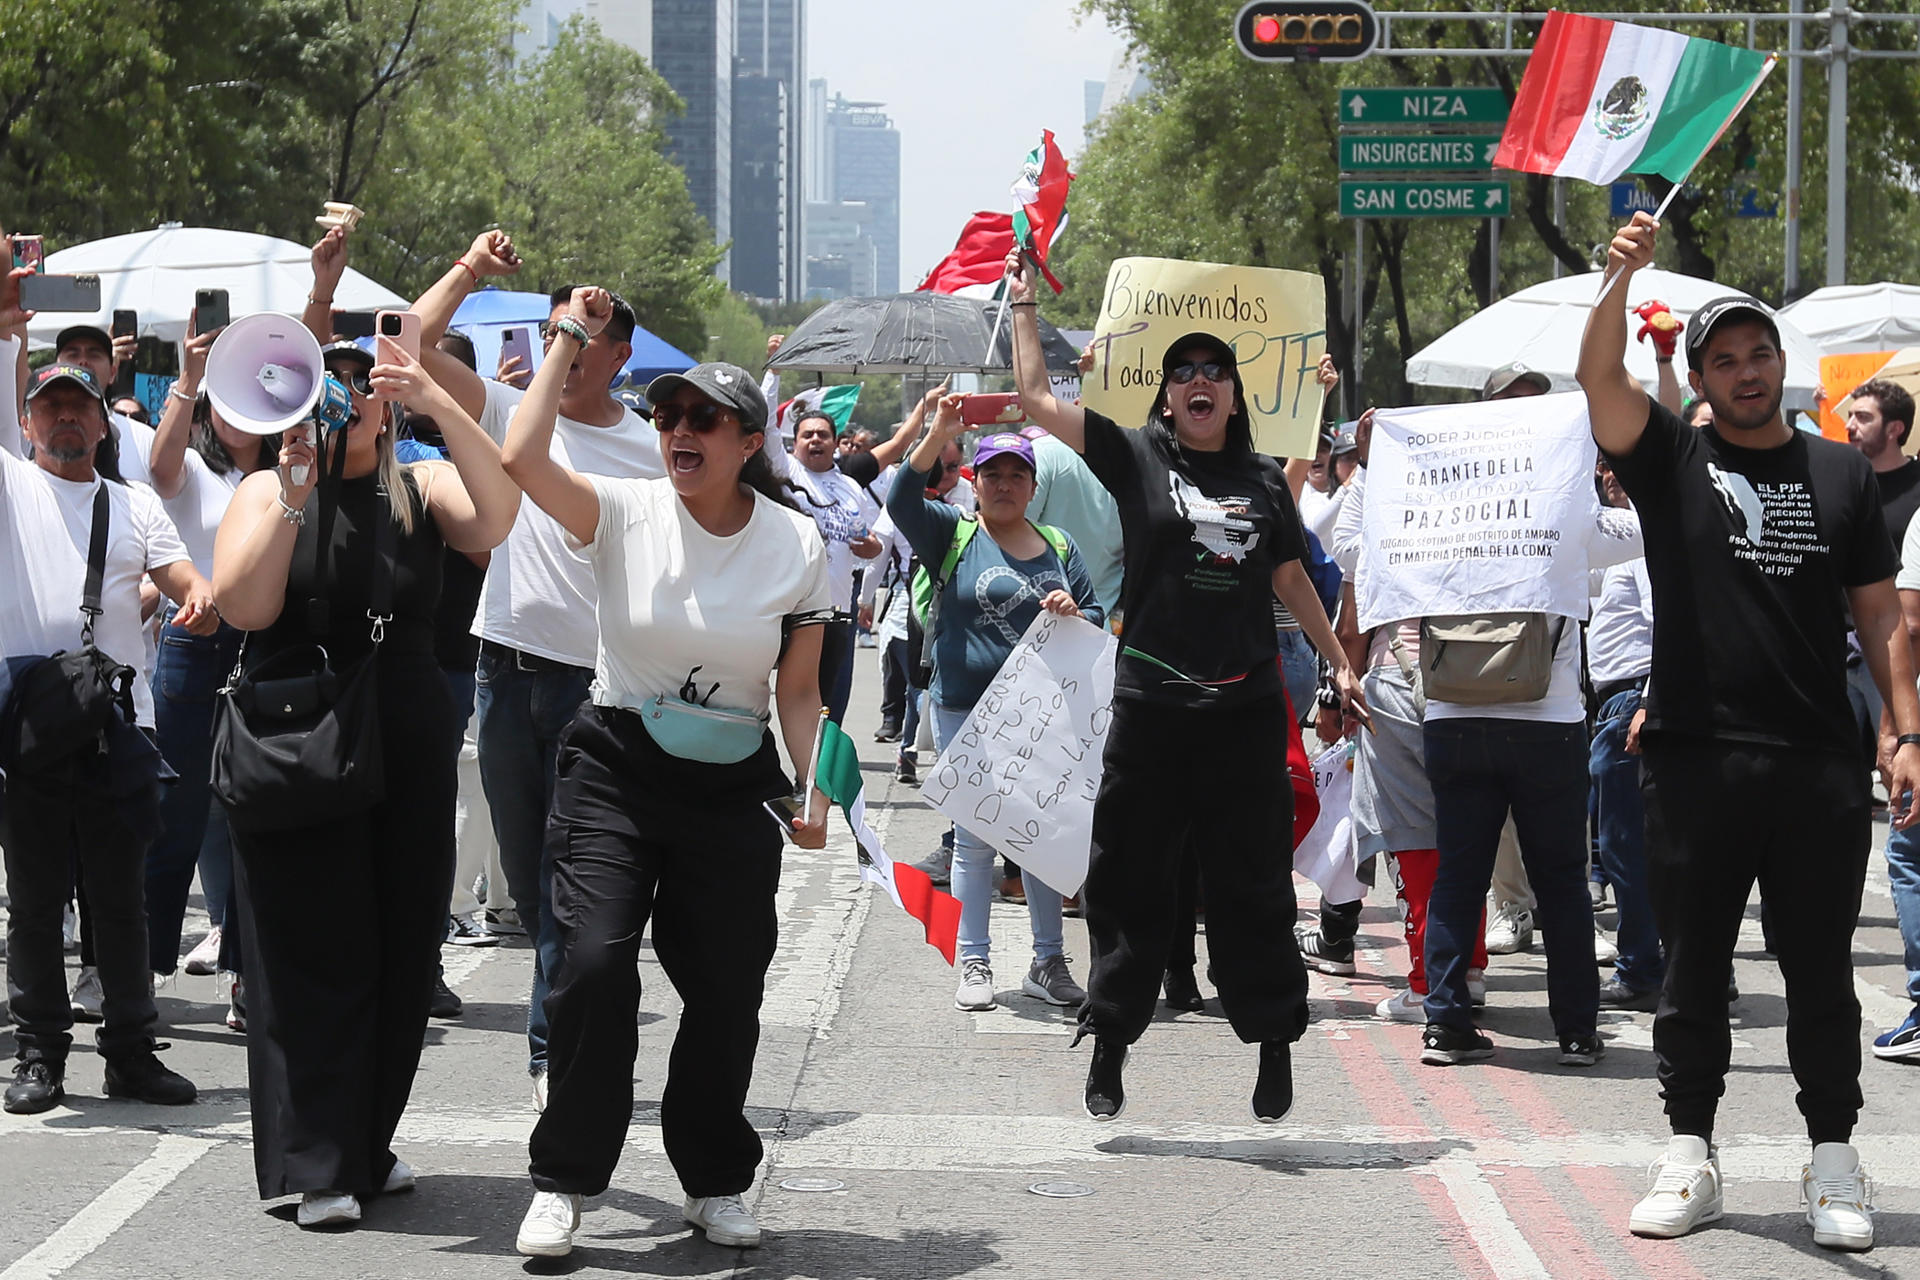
1306	30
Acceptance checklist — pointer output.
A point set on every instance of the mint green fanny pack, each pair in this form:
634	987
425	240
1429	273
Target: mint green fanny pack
711	735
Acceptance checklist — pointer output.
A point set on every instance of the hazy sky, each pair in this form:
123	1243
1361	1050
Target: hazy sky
969	87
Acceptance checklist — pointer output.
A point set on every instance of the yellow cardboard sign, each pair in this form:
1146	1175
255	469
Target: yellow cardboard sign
1839	375
1275	321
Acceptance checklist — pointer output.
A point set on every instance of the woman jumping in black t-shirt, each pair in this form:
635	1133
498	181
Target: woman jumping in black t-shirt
1197	752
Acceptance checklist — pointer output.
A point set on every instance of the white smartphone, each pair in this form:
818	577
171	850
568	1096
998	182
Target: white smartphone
517	344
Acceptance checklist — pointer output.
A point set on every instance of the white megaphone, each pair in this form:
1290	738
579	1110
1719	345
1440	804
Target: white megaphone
266	375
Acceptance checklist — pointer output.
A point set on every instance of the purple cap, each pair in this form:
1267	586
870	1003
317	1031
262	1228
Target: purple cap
991	447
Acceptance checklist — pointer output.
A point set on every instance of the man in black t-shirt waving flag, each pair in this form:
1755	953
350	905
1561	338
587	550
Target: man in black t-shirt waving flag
1758	538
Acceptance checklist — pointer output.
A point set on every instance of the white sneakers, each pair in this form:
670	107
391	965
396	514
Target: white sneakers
1838	1197
725	1219
1509	929
553	1217
1685	1192
399	1178
976	985
1403	1006
205	958
547	1230
327	1209
1605	949
540	1090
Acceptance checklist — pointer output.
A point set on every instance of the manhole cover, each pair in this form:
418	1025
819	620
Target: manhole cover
812	1184
1061	1190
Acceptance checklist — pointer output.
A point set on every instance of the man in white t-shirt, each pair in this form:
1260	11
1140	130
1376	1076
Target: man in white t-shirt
536	619
98	808
92	349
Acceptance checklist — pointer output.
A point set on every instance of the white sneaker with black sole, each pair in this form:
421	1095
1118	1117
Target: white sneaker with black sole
547	1230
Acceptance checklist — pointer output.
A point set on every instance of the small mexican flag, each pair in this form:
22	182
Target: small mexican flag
1041	190
836	402
1601	98
838	777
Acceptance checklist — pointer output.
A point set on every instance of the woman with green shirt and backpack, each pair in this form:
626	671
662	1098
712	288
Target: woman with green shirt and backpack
1005	572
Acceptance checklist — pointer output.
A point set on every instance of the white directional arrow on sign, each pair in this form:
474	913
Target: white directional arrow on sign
1359	107
1493	198
1493	149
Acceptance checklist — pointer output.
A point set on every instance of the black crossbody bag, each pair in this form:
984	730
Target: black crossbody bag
295	742
64	703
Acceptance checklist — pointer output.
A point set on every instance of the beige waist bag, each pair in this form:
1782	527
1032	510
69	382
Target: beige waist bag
1483	658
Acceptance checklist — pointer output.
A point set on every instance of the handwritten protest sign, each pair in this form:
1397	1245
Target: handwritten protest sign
1024	769
1478	508
1275	321
1839	375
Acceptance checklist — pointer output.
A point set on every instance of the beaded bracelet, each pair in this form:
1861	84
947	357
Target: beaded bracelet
573	329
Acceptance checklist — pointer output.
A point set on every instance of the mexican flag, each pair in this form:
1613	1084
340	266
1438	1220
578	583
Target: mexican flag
978	260
1041	190
836	402
838	777
1600	99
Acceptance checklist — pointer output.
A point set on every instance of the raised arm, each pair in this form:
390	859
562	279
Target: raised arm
888	452
329	264
925	523
473	501
1616	403
167	456
564	494
1066	421
491	256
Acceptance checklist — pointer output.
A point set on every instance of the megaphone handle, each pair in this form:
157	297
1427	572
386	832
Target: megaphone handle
298	472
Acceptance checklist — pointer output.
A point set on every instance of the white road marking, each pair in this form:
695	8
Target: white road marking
1495	1236
460	963
90	1228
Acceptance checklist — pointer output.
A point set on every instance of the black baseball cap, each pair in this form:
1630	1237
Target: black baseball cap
80	376
347	350
1733	309
722	383
1222	350
74	331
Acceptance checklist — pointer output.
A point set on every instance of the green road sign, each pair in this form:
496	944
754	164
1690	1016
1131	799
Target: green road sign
1390	107
1425	200
1414	153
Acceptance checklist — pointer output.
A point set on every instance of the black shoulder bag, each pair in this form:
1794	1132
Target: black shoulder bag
64	703
296	743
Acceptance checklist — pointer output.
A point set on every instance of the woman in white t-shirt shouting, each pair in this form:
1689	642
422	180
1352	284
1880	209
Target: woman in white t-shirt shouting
707	582
196	462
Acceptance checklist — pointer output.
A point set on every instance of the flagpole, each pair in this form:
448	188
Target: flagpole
1000	319
1765	71
813	765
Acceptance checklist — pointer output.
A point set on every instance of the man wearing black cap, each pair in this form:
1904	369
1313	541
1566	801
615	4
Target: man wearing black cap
90	347
99	809
1758	540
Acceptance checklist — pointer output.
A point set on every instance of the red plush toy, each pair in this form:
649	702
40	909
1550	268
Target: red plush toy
1661	325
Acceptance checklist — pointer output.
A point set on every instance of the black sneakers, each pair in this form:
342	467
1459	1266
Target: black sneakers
1335	958
37	1086
1448	1046
444	1003
1273	1091
1183	993
140	1076
1106	1095
1581	1051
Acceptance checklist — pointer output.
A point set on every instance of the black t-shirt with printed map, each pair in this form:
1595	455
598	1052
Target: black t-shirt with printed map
1750	552
1204	533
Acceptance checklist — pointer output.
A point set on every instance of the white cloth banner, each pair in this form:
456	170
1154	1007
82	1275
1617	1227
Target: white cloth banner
1478	508
1326	855
1024	769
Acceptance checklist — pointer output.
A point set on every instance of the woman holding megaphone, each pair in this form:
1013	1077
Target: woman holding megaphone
337	552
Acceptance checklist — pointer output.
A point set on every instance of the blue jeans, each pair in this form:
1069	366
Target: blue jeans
522	714
1299	671
1482	769
1623	842
973	874
187	674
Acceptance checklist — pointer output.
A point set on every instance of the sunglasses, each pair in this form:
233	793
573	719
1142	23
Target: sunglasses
1211	370
547	331
356	378
702	417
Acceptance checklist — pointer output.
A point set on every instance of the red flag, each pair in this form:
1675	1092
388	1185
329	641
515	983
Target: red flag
979	259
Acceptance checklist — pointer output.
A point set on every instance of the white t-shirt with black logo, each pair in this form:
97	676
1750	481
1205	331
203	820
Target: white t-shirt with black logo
539	595
46	526
678	603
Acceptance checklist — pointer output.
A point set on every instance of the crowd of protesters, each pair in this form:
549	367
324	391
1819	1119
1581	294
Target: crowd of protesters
581	611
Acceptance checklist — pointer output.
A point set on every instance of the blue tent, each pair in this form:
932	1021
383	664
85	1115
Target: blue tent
487	313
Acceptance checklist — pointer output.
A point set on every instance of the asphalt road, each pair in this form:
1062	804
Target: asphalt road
934	1127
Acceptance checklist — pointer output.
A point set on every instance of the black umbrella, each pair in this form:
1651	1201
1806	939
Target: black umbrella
924	333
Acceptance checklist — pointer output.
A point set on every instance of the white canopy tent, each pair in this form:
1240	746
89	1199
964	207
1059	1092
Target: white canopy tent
1846	318
1541	327
155	273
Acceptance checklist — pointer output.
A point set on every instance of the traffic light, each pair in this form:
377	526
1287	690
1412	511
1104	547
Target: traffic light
1306	30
